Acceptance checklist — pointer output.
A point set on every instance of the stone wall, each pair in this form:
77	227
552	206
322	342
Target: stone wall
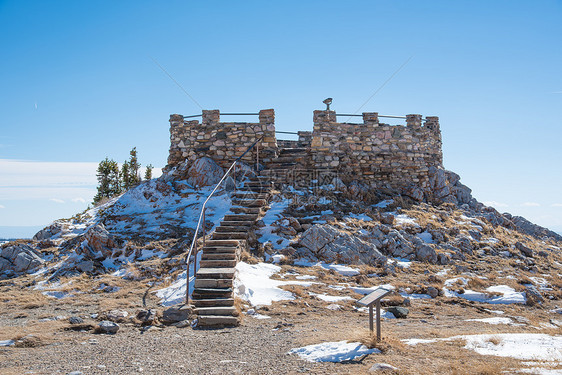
384	155
221	141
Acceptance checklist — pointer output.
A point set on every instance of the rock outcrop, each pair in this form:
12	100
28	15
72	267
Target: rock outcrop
19	258
330	244
99	243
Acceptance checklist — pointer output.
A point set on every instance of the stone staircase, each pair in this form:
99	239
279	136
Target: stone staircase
213	295
289	160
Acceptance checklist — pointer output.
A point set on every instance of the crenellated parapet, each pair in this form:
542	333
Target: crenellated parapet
394	156
221	141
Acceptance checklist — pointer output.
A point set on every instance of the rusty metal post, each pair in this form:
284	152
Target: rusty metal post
204	229
187	284
371	318
257	157
378	319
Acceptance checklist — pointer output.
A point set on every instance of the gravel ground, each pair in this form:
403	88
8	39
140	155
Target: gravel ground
253	348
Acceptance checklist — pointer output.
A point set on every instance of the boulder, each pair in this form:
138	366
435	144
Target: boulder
385	367
533	295
19	258
48	231
175	315
117	315
427	254
445	187
108	327
99	243
432	291
146	316
398	311
524	249
75	320
204	172
325	242
85	266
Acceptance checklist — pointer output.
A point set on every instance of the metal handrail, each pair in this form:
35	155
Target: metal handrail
225	114
202	219
384	116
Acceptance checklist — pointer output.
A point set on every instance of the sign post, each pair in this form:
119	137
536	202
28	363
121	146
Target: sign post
374	298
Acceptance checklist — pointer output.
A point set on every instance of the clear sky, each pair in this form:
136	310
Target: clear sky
78	83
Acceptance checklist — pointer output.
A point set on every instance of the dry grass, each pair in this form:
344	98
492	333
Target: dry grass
297	290
245	256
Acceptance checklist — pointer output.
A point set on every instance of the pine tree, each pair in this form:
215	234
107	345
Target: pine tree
134	166
125	176
108	179
148	173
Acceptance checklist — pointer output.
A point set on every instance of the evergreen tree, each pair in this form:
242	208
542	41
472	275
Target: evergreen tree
148	173
134	166
108	179
125	176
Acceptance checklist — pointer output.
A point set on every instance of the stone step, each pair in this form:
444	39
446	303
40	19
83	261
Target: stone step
289	159
250	194
216	273
217	321
237	228
291	150
223	243
241	217
284	165
250	202
230	235
213	283
255	189
218	310
217	263
218	256
237	223
246	210
210	302
208	293
219	250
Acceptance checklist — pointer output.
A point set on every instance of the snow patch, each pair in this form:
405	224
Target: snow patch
339	268
253	284
333	351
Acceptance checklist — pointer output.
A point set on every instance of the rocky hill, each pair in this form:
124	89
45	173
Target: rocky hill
312	253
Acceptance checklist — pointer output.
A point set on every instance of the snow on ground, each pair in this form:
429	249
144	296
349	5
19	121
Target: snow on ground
363	217
495	320
339	268
328	298
253	283
7	342
333	351
175	293
149	208
508	294
426	237
265	234
384	204
526	346
401	262
403	219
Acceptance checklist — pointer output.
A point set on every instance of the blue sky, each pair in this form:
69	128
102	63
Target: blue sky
78	83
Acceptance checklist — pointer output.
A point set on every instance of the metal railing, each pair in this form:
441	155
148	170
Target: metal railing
383	116
225	114
193	248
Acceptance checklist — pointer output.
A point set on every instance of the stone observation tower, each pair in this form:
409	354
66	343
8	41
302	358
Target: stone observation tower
380	155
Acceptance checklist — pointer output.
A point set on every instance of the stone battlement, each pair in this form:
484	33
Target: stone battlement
381	155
